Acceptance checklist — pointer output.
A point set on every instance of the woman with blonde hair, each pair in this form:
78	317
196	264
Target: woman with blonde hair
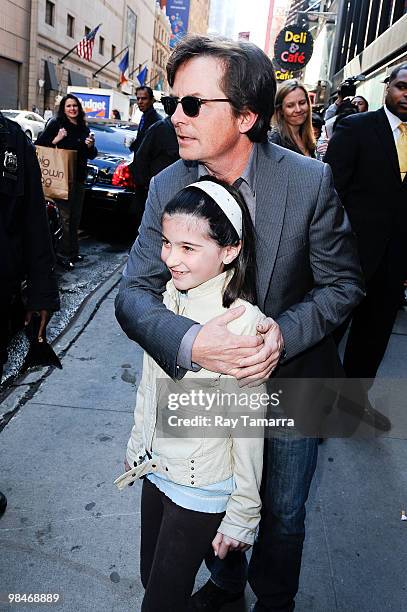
292	121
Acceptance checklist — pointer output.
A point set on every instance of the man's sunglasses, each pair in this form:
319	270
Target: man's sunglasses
190	104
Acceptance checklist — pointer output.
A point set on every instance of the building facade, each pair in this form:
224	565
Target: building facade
161	49
371	38
38	33
15	26
198	16
222	18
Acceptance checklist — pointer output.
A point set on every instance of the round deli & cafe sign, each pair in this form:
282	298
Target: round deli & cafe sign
293	48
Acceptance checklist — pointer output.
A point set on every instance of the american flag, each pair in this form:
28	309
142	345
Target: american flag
84	47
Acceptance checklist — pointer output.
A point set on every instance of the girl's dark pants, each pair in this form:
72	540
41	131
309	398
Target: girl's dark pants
174	542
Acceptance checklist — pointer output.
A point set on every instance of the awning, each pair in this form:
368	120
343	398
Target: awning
77	79
50	76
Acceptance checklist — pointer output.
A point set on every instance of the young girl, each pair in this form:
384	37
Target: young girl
200	490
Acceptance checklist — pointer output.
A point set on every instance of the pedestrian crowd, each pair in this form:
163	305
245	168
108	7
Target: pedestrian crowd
253	260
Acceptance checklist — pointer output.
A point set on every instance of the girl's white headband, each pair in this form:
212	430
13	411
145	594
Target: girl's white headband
225	201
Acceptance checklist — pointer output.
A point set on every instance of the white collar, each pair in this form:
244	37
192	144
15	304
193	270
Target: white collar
393	119
210	287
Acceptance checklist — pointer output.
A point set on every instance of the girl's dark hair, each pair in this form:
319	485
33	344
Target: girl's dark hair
192	201
61	110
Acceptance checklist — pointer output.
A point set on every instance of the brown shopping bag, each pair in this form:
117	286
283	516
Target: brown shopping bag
57	171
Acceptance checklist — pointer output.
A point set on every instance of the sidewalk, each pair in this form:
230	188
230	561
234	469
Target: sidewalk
67	530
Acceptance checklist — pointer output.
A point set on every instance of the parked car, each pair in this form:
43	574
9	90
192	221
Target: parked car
109	185
31	123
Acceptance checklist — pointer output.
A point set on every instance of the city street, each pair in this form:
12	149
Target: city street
267	150
68	531
101	258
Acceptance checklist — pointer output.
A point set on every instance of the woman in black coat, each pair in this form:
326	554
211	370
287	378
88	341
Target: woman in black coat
68	130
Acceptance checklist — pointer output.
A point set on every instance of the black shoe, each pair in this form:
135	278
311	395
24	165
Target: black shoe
211	598
3	503
77	258
65	263
376	419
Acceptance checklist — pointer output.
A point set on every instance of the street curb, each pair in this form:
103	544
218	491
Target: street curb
27	385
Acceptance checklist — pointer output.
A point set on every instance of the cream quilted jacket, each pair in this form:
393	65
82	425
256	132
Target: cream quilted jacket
199	461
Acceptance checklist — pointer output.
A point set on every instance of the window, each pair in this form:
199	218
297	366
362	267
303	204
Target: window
70	26
101	45
49	13
87	30
113	52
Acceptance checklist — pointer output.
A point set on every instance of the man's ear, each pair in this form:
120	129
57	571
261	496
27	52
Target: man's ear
231	252
247	120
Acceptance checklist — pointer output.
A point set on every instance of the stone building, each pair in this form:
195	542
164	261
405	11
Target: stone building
161	49
199	16
36	34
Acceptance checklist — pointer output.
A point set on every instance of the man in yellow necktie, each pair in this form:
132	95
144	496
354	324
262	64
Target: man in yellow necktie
368	154
401	146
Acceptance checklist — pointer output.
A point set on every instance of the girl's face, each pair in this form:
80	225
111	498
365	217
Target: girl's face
295	108
190	254
71	109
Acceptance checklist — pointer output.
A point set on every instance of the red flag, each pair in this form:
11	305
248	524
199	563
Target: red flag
84	47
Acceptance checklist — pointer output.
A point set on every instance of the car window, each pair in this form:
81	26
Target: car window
111	140
10	114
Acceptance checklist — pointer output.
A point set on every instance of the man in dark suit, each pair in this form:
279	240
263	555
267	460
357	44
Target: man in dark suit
368	157
158	150
145	101
308	280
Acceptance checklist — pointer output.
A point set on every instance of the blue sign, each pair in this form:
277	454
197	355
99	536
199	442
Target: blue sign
178	13
94	105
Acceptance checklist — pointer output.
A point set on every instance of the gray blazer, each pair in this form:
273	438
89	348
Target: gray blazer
308	273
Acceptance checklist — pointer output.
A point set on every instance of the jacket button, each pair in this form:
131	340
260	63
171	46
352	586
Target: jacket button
153	465
192	461
192	468
135	463
166	469
192	476
192	482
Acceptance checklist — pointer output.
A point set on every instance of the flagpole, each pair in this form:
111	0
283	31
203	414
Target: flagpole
61	59
107	63
138	68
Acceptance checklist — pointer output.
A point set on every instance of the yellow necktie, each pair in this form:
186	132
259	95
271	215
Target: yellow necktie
401	146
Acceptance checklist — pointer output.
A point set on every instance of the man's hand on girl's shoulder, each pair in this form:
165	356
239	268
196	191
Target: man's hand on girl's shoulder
219	350
257	369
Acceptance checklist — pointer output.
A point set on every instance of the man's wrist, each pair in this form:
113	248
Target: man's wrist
184	357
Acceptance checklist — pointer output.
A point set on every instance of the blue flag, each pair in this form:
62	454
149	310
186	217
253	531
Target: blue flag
123	65
141	77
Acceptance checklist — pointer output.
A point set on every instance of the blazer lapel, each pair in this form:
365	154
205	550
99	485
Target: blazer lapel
386	138
271	199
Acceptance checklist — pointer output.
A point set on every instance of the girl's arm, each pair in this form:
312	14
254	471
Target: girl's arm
243	509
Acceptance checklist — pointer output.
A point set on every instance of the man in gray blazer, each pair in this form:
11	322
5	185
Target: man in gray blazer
308	281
